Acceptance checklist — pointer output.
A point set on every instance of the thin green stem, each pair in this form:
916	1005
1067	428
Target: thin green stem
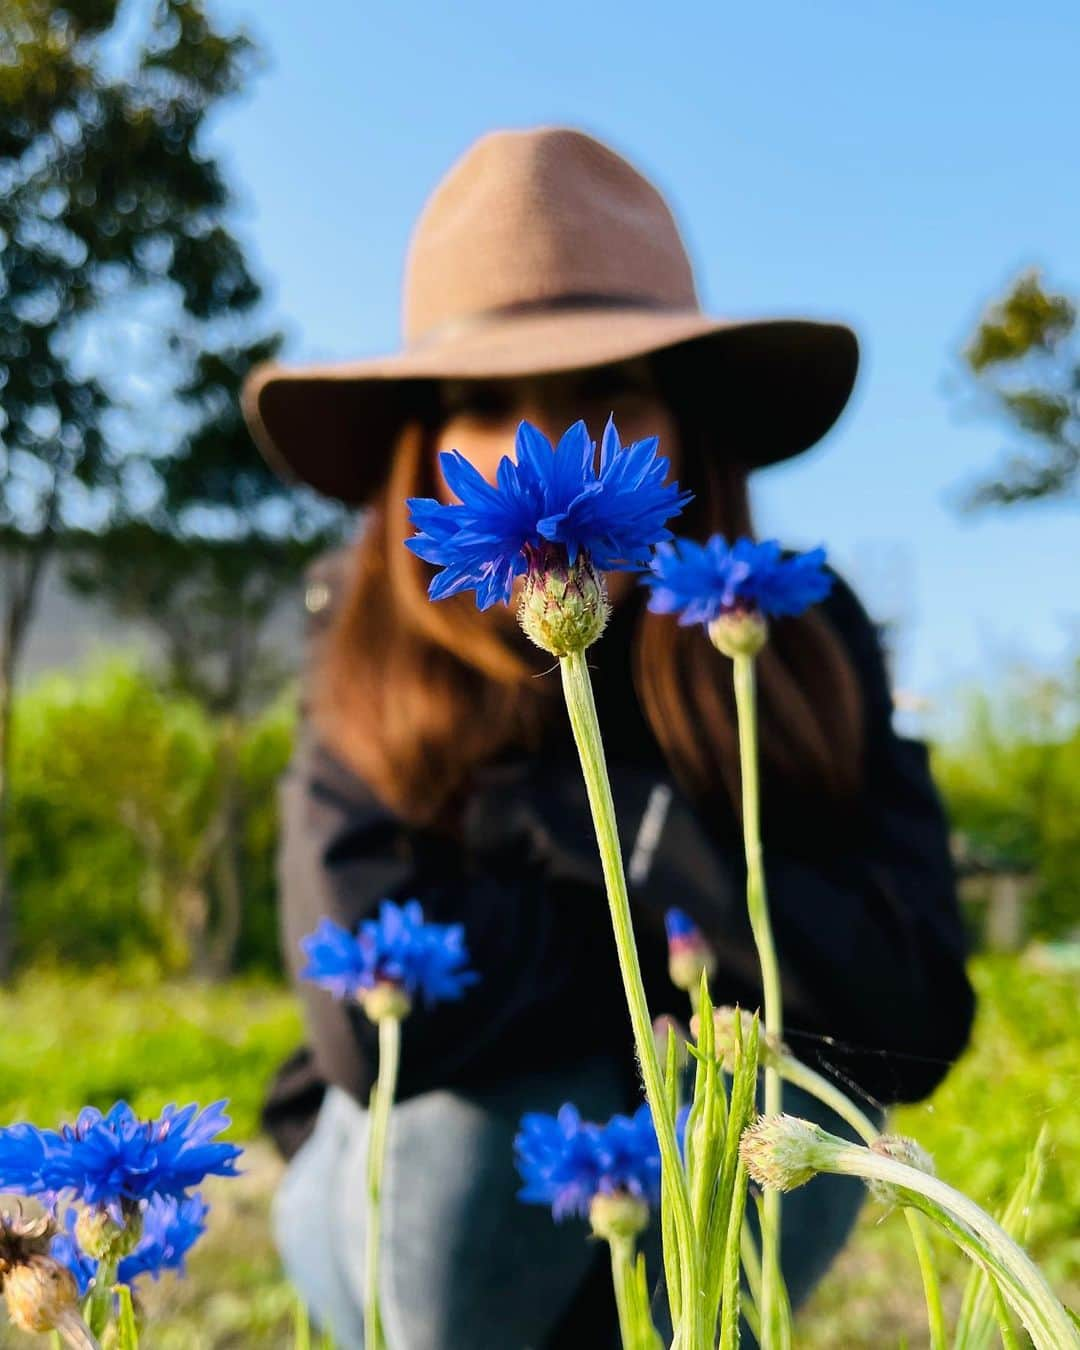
826	1092
382	1099
1020	1279
1002	1281
100	1306
1009	1339
750	1297
974	1324
729	1303
757	905
924	1254
126	1332
798	1074
581	707
622	1267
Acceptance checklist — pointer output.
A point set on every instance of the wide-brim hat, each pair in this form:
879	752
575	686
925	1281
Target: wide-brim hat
545	251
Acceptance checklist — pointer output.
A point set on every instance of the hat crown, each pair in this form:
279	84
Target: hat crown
547	215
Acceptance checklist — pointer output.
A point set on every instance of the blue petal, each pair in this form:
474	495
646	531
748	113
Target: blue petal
556	495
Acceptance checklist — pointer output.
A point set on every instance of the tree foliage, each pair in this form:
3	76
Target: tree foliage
119	272
1025	356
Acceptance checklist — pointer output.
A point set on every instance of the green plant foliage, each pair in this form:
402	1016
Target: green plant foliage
1012	782
1020	1074
70	1039
114	821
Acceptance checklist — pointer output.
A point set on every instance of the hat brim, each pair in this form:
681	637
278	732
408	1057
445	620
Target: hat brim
777	385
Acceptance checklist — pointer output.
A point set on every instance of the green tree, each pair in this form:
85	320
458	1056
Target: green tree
1025	357
104	194
207	567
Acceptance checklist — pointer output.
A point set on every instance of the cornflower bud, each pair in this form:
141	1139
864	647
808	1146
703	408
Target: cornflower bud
739	632
618	1215
661	1026
690	955
564	606
783	1152
770	1048
386	999
100	1236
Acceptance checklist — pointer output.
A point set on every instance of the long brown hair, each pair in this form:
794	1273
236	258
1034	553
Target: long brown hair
415	695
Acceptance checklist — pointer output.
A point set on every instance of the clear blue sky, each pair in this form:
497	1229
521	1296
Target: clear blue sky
891	165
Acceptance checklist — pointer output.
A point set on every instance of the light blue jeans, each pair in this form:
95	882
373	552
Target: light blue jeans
466	1265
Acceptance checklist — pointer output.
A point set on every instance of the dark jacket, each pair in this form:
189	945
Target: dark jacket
868	932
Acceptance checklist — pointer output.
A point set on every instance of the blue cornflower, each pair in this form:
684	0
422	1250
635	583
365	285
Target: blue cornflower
171	1227
117	1161
566	1162
398	949
337	960
24	1150
547	508
631	1156
559	1160
65	1249
701	582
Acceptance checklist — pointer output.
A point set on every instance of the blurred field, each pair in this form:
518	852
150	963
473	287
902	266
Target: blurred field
68	1041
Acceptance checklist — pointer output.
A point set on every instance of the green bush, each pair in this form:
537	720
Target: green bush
116	821
1012	783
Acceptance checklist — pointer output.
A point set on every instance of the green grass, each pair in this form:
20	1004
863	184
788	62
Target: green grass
67	1041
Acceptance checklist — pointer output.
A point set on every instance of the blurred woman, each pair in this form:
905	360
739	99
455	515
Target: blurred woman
547	280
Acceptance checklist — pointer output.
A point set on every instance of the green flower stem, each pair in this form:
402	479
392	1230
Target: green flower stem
974	1323
1020	1279
382	1099
99	1306
127	1333
622	1260
924	1254
800	1075
636	1330
581	707
739	1113
729	1303
750	1296
757	905
1009	1340
669	1241
1003	1283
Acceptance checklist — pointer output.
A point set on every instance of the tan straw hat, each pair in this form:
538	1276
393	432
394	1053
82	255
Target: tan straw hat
544	251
